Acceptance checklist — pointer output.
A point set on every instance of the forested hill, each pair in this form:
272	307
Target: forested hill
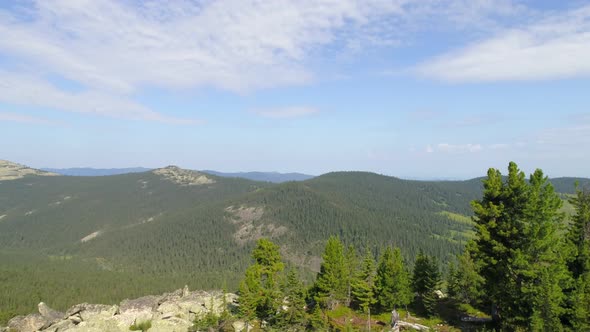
155	231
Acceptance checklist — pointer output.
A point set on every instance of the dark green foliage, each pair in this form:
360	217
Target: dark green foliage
579	314
425	281
579	233
464	282
260	295
330	288
155	236
351	262
292	315
392	282
363	286
578	237
518	249
141	326
209	322
317	319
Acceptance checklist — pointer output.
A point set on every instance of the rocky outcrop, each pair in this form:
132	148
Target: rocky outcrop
183	177
12	171
170	312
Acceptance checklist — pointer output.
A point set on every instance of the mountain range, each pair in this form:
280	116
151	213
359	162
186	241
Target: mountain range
274	177
103	238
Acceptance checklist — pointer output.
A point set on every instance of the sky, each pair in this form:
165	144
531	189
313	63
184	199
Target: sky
415	89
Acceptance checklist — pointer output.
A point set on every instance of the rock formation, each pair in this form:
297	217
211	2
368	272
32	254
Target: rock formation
170	312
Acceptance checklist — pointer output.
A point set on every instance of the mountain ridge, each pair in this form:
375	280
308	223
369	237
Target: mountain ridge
169	227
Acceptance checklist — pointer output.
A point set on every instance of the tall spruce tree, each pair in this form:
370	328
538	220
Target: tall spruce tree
541	262
579	233
392	282
518	251
351	262
260	294
330	287
292	316
363	287
579	264
425	280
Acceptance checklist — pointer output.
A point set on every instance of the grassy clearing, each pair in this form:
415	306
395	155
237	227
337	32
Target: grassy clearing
457	217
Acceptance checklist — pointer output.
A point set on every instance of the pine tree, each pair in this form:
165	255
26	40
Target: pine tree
363	286
330	286
499	231
402	288
425	281
578	238
317	319
464	282
384	281
260	295
541	262
292	315
580	299
351	270
453	282
579	233
392	282
518	251
249	295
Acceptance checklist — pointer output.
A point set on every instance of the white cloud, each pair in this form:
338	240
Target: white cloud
286	112
229	44
29	90
499	146
555	47
22	118
114	49
458	148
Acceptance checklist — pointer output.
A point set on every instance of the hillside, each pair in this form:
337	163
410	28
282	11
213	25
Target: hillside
132	234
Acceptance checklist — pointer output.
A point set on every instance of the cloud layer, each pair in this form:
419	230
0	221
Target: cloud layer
116	49
286	112
555	47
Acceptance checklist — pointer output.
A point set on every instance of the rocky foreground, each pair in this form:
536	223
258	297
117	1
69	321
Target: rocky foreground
170	312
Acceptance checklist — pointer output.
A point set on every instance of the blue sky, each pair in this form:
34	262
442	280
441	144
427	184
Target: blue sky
421	89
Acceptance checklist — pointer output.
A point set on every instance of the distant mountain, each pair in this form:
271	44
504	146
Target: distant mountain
274	177
88	171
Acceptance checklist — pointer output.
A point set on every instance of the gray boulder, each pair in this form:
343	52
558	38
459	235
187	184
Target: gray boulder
49	313
63	325
85	311
29	323
149	302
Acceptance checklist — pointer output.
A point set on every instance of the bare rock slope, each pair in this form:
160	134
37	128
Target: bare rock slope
13	171
170	312
183	177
